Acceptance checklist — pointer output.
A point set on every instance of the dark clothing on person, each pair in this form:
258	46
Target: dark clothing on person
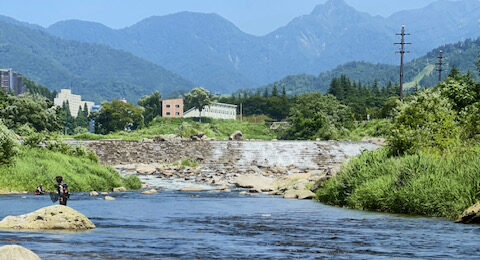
63	195
39	190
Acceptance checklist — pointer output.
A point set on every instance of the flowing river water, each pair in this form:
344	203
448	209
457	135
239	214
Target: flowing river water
203	225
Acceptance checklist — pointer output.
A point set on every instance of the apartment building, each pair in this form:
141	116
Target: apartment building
11	80
172	107
74	101
215	110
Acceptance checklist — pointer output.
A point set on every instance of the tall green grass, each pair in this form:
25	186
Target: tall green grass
36	166
421	184
372	128
219	129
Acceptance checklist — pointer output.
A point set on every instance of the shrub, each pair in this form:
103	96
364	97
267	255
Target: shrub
8	145
427	121
421	183
34	139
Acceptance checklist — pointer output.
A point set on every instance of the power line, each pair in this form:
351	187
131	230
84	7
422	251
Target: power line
402	52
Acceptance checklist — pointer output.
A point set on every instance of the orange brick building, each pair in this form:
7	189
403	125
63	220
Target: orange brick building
172	107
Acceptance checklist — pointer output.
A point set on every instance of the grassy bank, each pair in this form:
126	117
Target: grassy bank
440	185
219	129
372	128
39	165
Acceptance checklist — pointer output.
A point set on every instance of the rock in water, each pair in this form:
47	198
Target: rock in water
470	215
119	189
14	252
146	169
257	182
237	136
191	189
55	217
109	198
152	191
93	193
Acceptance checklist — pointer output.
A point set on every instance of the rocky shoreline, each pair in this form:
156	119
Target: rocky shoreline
290	182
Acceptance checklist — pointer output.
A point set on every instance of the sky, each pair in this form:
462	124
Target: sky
256	17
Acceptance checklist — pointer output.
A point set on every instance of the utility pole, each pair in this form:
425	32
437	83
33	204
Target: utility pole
241	112
402	53
439	69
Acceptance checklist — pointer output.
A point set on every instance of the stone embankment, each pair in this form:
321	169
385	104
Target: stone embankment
288	168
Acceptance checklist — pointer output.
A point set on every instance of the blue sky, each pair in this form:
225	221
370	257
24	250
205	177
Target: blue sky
252	16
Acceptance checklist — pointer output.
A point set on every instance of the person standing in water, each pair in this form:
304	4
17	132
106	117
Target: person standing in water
62	189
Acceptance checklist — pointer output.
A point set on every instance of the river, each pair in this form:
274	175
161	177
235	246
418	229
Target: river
180	225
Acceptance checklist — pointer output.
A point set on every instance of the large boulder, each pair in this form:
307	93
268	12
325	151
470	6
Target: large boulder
55	217
470	215
256	182
236	136
14	252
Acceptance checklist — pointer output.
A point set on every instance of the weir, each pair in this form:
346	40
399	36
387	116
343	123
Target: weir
240	155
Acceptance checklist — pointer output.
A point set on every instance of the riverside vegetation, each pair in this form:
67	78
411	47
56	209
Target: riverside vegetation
39	159
430	166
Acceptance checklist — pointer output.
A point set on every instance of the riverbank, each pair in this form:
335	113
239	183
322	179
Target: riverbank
185	127
34	166
428	184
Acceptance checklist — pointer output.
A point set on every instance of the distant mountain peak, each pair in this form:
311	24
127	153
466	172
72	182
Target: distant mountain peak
331	6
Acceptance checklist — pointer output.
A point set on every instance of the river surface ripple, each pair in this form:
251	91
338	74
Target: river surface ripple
179	225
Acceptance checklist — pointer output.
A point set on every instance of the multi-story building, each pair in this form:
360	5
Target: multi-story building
74	101
215	110
172	107
11	80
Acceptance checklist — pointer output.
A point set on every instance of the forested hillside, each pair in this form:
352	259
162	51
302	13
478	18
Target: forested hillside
419	72
96	72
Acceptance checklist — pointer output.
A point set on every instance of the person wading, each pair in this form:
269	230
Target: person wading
62	189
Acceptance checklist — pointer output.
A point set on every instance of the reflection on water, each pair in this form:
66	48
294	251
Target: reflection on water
172	225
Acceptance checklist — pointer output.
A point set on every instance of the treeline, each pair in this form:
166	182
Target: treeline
275	105
364	100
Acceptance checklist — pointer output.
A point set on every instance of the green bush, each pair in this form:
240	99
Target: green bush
421	183
315	115
34	139
8	145
427	121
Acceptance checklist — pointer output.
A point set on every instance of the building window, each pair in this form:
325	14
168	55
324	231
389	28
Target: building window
177	106
168	113
177	113
168	106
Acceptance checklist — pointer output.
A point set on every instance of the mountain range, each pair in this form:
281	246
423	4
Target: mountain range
176	52
94	71
211	51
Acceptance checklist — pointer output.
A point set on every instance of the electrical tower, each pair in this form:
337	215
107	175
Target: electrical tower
439	69
402	52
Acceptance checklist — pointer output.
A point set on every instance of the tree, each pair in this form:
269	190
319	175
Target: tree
318	116
478	62
118	116
32	110
274	90
199	98
152	106
8	145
